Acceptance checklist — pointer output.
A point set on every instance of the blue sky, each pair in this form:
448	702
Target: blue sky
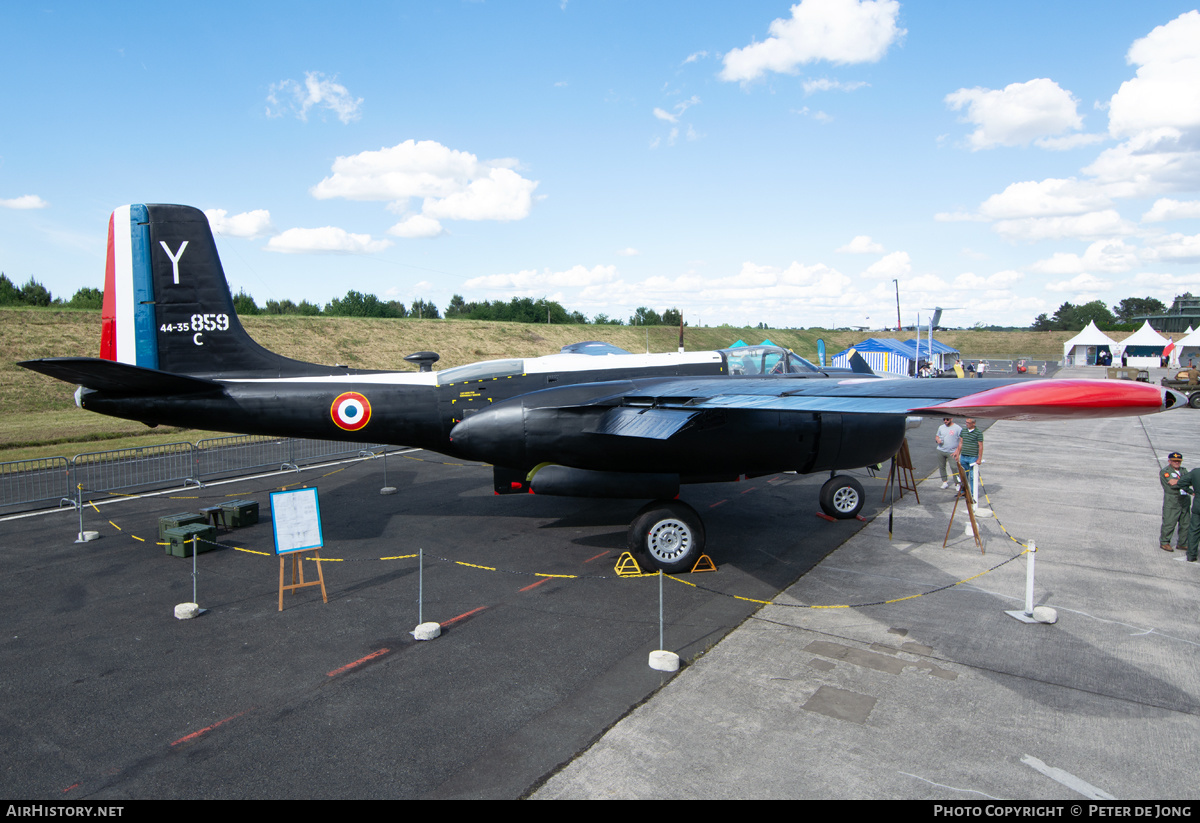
743	162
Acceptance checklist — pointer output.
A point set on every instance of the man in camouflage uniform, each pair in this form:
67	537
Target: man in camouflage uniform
1175	481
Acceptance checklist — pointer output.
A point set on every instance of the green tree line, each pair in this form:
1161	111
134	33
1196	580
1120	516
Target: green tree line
1070	317
34	293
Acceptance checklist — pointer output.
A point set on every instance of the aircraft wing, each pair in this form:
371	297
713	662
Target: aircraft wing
1001	399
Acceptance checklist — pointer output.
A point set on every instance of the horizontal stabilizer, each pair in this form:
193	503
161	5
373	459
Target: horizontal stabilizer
116	378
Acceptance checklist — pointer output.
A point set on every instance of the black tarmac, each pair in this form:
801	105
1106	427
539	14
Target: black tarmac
106	695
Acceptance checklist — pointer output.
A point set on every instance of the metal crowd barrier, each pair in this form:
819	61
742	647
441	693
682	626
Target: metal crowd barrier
45	480
40	483
231	455
121	469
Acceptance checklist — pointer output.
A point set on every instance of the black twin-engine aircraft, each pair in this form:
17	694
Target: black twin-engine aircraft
573	424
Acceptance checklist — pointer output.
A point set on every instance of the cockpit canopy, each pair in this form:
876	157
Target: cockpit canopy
760	360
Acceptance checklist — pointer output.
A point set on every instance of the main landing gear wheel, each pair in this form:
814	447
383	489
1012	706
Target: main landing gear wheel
1194	400
667	535
842	497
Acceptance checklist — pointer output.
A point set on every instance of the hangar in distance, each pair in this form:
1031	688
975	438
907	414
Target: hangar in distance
631	426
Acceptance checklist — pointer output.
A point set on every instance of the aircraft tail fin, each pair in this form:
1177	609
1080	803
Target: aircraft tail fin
858	365
167	305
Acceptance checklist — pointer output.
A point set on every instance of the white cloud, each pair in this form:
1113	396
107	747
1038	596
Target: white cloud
1150	163
1158	112
317	92
453	185
1166	209
1071	141
502	195
839	31
679	109
418	225
1001	281
533	281
959	217
1168	285
409	169
694	56
1084	286
1166	90
324	240
896	264
1016	114
862	244
629	252
814	86
247	224
27	201
1104	255
1091	226
1180	248
1047	198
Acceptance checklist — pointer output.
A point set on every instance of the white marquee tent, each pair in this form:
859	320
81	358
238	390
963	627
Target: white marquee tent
1081	349
1187	350
1144	347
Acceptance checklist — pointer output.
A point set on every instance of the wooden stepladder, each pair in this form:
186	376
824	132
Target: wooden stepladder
964	494
298	572
902	472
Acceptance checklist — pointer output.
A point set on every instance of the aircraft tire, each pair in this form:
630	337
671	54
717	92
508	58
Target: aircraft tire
842	497
1194	400
667	535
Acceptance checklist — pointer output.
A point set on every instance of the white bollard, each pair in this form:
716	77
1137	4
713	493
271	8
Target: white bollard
1031	613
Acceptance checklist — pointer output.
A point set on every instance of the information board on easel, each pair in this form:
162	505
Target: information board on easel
296	518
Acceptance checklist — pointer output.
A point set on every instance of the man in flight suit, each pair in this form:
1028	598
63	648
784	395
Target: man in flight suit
1175	481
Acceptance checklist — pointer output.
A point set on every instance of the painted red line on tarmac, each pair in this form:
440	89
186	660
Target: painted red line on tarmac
463	615
597	557
752	488
719	502
68	788
358	662
535	585
207	729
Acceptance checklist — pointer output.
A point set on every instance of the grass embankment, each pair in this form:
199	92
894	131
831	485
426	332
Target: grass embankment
38	417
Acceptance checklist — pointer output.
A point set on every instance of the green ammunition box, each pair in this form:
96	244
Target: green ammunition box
239	513
180	539
173	521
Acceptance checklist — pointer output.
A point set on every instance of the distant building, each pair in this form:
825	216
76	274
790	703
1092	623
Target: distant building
1184	312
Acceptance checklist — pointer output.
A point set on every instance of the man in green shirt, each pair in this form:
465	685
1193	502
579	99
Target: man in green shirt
970	449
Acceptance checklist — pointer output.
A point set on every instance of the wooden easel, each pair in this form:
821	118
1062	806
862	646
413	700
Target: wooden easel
298	571
964	493
902	468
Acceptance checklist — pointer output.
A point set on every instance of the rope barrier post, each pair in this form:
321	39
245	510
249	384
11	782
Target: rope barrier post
186	611
975	484
386	488
82	536
1031	613
423	631
660	659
